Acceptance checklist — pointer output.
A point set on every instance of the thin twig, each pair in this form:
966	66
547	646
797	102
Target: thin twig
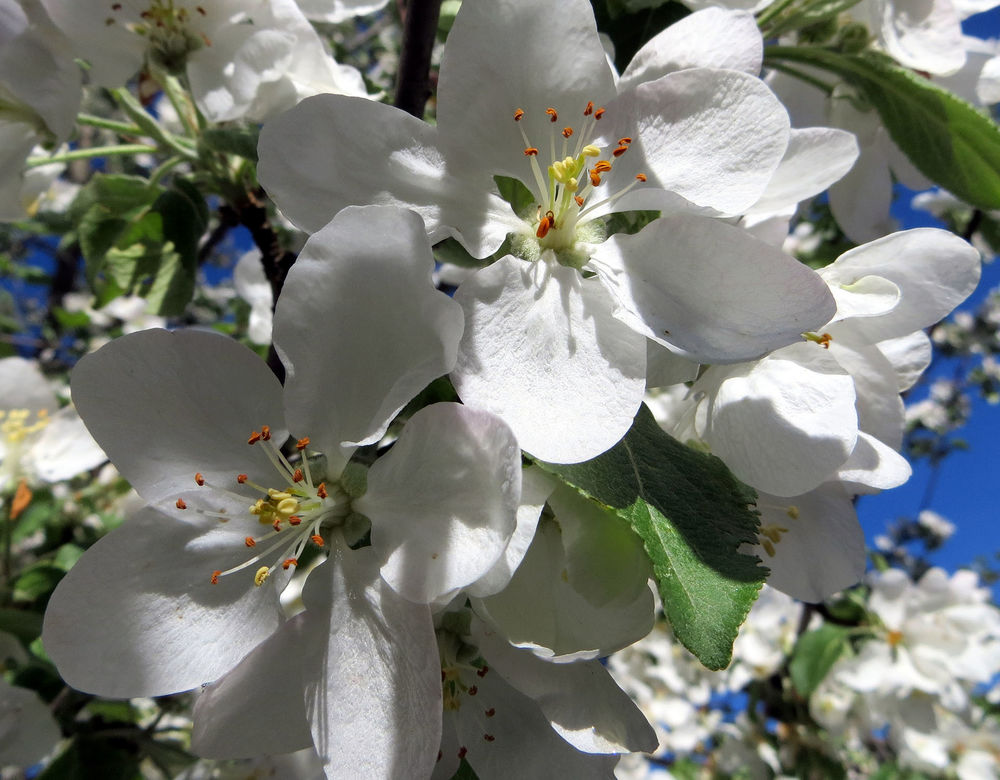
413	79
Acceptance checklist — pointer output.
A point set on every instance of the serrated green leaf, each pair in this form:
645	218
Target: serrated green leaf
815	654
692	516
947	139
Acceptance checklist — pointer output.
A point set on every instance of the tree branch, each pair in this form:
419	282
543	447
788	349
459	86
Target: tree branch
413	79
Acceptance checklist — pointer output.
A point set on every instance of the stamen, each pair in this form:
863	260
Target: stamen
518	115
321	490
531	151
567	132
180	504
302	443
241	478
641	176
599	113
254	437
265	432
602	166
624	141
553	116
261	576
589	109
289	562
249	542
620	151
215	576
297	476
317	540
199	479
579	200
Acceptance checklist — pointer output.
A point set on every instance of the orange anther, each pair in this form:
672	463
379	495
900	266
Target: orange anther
22	497
276	525
116	6
589	109
265	432
215	577
321	490
602	166
254	437
624	141
180	504
241	478
545	225
491	712
294	520
199	479
201	10
518	115
297	475
567	132
579	201
462	751
641	176
531	151
620	151
825	340
289	562
317	540
482	671
553	116
595	178
249	542
488	737
302	443
599	113
473	690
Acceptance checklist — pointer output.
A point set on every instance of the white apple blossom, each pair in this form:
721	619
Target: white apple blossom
556	330
40	90
242	59
28	732
815	423
39	441
187	590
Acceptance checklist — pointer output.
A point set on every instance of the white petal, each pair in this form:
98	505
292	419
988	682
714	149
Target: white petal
909	355
874	465
536	486
28	732
506	735
665	368
373	685
332	151
360	326
138	615
923	34
715	137
935	271
542	350
258	708
22	386
709	290
165	406
64	448
785	423
541	610
823	549
443	501
816	157
581	700
712	38
337	11
532	56
869	296
880	409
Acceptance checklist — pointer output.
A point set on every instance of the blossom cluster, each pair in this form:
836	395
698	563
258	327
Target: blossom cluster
395	525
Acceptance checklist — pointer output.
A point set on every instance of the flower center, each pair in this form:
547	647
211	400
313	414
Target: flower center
298	511
569	181
169	26
17	424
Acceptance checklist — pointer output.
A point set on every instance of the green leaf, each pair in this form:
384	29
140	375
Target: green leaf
23	624
241	141
947	139
814	654
692	516
89	757
464	772
37	583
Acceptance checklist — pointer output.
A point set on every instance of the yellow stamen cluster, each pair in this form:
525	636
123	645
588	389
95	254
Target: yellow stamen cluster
166	24
562	190
769	536
16	425
298	513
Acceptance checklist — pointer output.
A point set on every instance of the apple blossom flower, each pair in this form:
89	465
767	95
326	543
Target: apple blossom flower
556	329
187	590
39	441
243	59
28	732
40	91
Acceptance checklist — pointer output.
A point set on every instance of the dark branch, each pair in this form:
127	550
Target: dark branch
413	79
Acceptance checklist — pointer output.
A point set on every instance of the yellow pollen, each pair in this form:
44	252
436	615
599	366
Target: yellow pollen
16	426
590	151
261	576
792	512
